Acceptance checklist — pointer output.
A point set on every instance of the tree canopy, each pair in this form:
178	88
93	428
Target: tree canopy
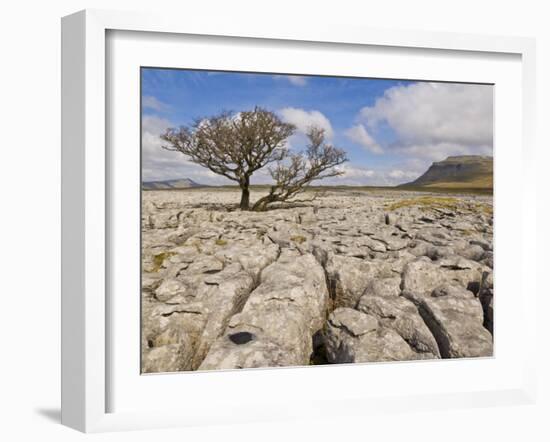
236	145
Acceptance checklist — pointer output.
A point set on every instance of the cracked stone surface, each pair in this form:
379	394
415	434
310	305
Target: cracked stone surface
354	336
283	313
455	317
402	316
349	276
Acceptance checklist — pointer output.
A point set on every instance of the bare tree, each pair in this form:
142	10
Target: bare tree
237	145
299	170
233	145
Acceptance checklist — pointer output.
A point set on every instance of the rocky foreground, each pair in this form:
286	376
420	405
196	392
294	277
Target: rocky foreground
352	276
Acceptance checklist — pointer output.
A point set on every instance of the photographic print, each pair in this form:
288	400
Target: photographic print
309	220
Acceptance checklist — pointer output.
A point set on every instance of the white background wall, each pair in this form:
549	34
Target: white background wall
30	220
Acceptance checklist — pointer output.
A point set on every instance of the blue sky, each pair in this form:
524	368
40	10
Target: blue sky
391	129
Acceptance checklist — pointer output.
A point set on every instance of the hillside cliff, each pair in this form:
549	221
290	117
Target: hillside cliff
466	171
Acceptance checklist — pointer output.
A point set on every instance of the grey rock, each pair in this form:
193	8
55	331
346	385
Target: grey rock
349	277
455	318
355	323
486	299
252	354
150	282
473	252
391	241
383	287
170	288
284	311
166	359
164	220
485	245
253	255
353	336
206	264
436	237
224	288
422	276
401	315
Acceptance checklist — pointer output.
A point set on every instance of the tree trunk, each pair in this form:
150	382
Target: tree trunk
245	196
261	204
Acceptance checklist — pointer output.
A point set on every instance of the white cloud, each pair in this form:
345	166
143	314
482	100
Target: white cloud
434	120
152	103
429	152
352	172
396	173
399	174
303	120
359	135
360	176
295	80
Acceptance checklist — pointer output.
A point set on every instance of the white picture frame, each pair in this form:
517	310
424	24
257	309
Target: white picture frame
85	218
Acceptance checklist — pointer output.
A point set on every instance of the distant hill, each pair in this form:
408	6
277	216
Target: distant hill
458	172
183	183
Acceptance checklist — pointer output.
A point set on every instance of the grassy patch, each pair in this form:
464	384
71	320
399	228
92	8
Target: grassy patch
159	259
487	209
221	242
298	239
426	202
478	182
447	203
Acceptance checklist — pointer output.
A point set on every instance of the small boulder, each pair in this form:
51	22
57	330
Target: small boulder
455	318
401	315
352	336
